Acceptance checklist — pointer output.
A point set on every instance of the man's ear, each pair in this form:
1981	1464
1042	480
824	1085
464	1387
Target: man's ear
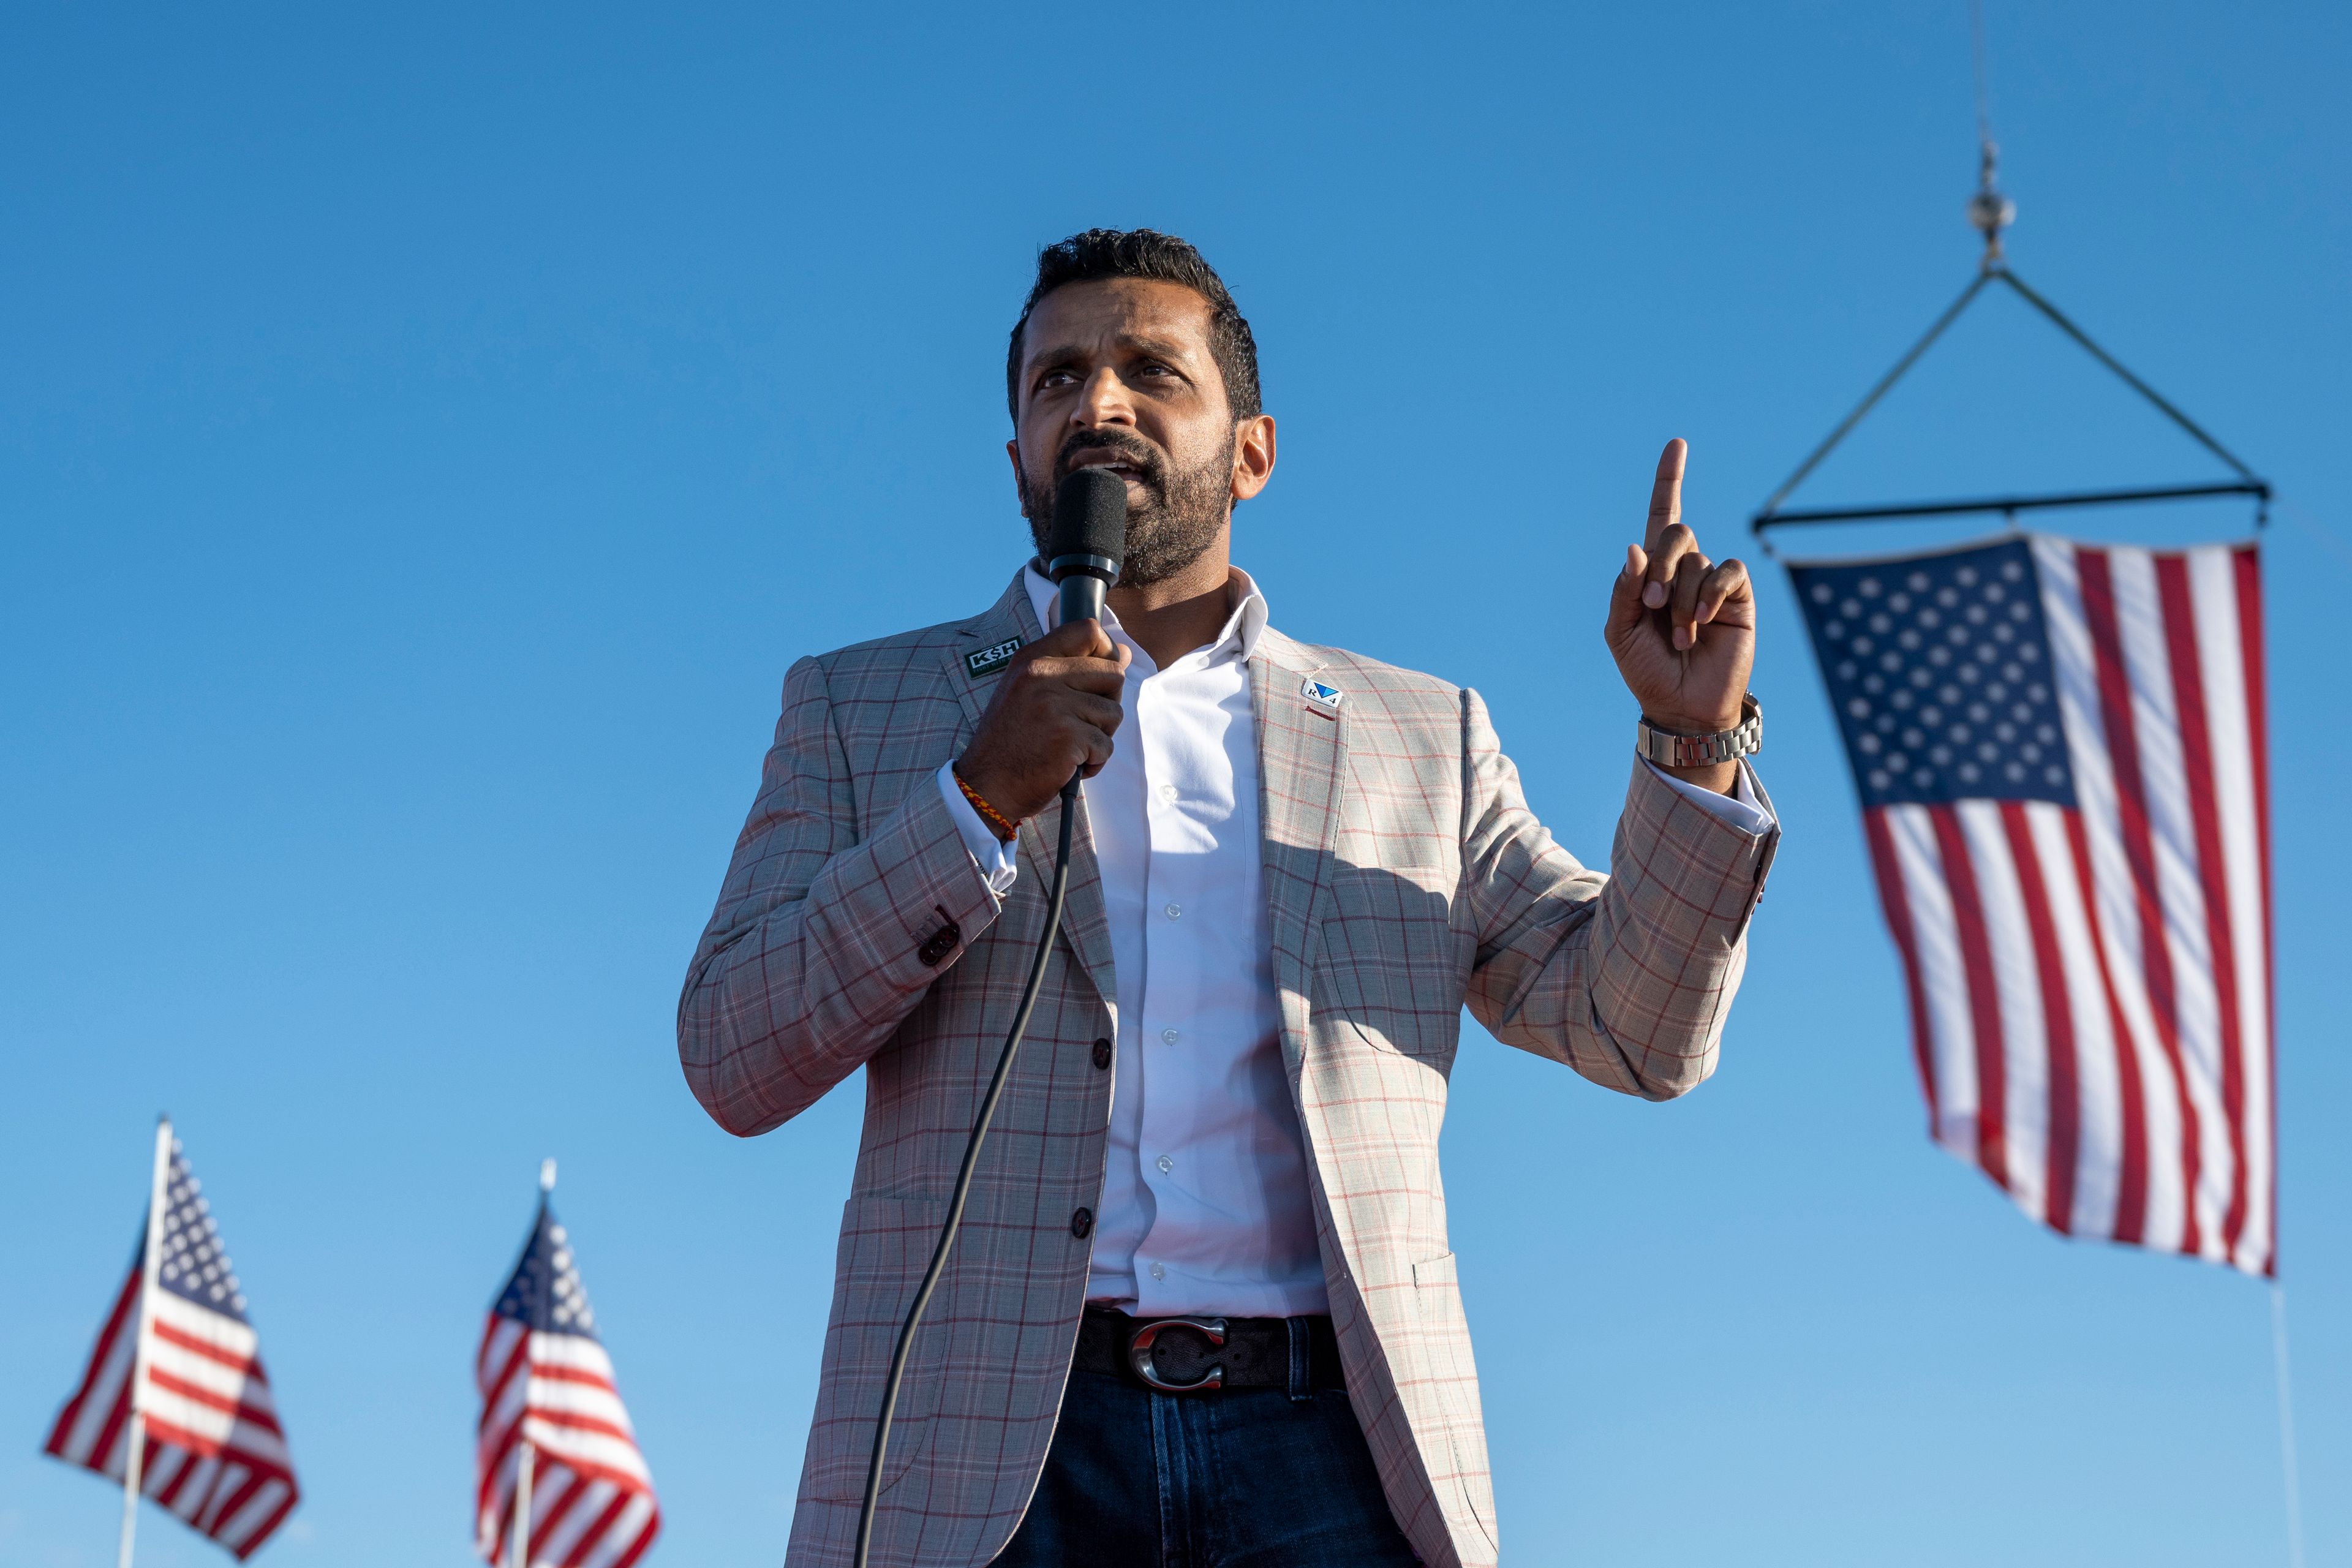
1253	455
1012	451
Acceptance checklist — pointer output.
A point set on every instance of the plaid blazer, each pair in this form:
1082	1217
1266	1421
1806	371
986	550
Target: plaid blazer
1406	877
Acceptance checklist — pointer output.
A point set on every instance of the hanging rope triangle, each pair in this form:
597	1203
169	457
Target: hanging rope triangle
1990	212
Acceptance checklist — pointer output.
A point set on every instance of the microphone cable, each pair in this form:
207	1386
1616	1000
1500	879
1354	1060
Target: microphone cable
963	1176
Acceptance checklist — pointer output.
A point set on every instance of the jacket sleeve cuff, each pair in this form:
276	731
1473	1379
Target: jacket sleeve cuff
989	854
1745	808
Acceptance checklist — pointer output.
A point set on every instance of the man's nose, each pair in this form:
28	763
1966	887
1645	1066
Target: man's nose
1104	400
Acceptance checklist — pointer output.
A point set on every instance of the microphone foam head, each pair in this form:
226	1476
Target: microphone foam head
1089	532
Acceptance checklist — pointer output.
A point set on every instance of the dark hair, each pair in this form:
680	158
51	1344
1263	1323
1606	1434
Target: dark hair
1145	253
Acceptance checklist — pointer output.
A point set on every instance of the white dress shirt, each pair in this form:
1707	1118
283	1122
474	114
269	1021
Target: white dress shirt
1204	1206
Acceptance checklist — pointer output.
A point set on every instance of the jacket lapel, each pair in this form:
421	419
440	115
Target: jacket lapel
1084	924
1302	749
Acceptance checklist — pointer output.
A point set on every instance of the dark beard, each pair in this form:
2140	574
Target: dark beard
1178	519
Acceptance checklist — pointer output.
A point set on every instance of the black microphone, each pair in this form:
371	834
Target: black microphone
1087	542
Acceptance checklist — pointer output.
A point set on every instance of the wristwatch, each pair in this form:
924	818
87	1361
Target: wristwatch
1669	749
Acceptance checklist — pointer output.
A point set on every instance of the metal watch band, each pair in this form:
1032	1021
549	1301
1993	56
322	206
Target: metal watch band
1669	749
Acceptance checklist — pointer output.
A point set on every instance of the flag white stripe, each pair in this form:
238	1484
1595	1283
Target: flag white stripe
1952	1033
2098	1095
2115	899
2156	721
241	1524
548	1395
563	1534
634	1521
106	1391
225	1334
571	1352
590	1449
2017	982
2214	589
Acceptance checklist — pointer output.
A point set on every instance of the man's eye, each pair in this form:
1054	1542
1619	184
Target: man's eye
1055	378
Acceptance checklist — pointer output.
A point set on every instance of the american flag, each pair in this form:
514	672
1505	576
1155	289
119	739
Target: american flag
181	1359
553	1422
2059	750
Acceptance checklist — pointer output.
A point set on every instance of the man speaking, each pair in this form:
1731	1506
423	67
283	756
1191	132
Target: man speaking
1202	1310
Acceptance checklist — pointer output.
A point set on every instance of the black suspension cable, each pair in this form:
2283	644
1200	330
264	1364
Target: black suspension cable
1990	211
963	1176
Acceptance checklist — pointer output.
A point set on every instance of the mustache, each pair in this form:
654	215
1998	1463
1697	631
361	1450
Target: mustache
1149	465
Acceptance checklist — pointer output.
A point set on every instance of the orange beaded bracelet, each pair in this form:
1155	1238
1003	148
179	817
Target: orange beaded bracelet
1004	826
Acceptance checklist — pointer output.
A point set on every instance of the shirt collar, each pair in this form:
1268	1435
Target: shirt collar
1238	637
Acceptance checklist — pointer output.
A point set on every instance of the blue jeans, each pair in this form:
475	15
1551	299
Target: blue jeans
1244	1478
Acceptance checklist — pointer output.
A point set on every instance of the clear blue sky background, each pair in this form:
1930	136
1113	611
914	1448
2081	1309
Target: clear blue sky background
425	440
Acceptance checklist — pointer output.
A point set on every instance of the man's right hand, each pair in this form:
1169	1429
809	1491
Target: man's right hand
1056	709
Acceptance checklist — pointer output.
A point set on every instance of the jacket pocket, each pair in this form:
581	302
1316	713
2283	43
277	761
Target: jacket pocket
885	1245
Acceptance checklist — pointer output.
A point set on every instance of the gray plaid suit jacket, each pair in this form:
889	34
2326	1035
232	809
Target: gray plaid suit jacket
1406	877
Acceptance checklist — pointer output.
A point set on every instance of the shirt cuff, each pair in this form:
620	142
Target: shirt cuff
1743	809
992	854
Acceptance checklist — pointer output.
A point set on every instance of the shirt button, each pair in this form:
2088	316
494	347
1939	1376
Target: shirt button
1167	1036
1165	1164
1175	911
1168	792
1159	1271
1082	1223
1102	1054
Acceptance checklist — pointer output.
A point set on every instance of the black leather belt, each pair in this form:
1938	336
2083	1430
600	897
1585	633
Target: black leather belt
1196	1355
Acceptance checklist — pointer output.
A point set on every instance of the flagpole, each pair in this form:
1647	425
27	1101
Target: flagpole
2286	1428
149	1267
518	1555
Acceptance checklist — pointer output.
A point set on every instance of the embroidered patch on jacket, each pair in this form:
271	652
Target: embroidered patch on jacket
1322	696
989	660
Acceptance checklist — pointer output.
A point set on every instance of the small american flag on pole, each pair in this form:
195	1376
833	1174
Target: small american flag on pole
560	1481
174	1403
2060	756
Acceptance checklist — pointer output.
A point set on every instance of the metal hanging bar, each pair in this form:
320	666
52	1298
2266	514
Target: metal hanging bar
1990	211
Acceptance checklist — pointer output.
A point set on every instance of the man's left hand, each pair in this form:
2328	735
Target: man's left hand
1682	627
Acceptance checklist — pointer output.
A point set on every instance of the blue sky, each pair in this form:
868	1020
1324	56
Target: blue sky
426	438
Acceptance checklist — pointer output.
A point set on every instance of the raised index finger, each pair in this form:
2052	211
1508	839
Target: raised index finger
1666	493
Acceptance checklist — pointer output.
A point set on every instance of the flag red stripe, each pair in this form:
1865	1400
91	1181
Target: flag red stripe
205	1348
495	1395
572	1423
1898	920
552	1372
494	1481
224	1508
593	1536
645	1539
2139	849
2064	1112
267	1525
2131	1175
197	1394
2204	813
552	1514
2247	562
178	1436
169	1496
116	1430
1984	994
71	1414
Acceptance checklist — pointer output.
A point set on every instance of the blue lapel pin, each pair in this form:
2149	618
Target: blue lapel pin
1326	699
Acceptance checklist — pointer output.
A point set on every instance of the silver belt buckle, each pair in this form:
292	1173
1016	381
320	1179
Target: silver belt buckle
1138	1353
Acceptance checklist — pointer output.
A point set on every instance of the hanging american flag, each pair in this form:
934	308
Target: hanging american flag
552	1425
178	1361
2060	756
